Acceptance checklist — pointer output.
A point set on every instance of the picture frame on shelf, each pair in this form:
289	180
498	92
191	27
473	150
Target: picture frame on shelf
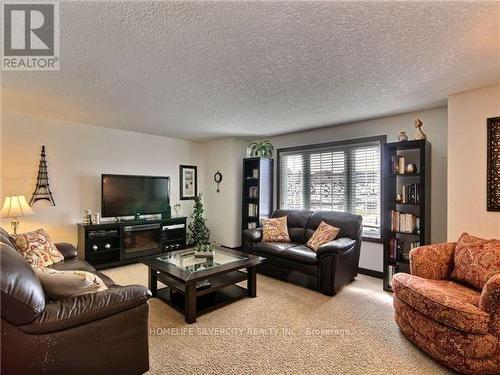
188	182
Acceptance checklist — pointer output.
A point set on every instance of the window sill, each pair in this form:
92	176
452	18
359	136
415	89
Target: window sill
372	239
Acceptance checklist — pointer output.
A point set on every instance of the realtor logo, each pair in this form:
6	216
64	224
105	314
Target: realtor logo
30	36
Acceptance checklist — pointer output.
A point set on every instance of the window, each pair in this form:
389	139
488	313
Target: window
339	176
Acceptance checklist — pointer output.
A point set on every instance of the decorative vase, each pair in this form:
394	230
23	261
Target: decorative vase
96	218
402	136
411	168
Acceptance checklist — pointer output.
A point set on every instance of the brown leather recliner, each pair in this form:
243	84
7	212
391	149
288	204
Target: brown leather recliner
99	333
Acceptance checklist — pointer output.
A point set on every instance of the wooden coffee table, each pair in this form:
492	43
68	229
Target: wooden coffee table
199	285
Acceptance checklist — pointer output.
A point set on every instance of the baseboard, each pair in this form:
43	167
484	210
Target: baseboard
372	273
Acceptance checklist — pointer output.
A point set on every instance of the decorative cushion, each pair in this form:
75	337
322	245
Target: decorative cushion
325	233
447	302
275	230
37	248
63	284
433	261
476	260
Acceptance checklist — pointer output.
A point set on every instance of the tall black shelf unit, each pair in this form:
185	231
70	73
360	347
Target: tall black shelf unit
417	203
257	194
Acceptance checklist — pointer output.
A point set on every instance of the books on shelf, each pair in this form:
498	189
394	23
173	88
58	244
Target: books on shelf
403	222
411	193
391	271
395	248
407	196
252	210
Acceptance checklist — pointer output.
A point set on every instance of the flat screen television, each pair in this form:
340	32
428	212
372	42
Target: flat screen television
127	195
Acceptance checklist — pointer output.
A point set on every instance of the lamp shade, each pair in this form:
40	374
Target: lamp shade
15	206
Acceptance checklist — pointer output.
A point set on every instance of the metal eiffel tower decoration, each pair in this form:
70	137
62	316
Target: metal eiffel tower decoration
42	189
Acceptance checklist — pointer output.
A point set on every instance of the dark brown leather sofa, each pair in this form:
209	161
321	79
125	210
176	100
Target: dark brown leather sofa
99	333
334	265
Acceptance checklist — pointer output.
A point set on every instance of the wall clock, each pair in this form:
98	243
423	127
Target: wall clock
218	179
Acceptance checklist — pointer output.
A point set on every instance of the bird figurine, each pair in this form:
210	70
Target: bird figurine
419	134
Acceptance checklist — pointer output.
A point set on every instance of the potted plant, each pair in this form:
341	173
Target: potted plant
263	149
204	251
199	234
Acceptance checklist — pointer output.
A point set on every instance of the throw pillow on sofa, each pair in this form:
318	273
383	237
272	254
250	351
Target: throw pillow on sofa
37	248
476	260
63	284
323	234
275	230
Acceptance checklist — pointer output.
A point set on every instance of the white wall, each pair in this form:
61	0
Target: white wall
435	124
77	154
467	114
223	209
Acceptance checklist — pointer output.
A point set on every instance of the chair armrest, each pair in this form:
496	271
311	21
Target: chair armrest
74	311
490	301
253	235
336	246
66	249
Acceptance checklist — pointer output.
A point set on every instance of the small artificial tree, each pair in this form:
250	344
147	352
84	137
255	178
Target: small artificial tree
199	234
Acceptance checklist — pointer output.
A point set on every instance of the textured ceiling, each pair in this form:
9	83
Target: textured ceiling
203	70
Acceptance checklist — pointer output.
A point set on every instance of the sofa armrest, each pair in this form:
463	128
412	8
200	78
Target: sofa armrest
253	235
74	311
336	246
433	261
66	249
490	301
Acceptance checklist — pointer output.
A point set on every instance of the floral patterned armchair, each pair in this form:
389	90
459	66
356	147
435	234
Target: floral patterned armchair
455	323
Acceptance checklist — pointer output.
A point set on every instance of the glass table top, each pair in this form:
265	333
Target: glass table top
187	261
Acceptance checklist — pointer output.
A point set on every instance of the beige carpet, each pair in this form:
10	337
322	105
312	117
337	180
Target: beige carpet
285	330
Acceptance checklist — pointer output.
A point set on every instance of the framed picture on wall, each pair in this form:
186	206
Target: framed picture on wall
493	166
188	182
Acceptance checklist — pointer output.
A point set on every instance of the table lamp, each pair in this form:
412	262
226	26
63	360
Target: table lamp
15	207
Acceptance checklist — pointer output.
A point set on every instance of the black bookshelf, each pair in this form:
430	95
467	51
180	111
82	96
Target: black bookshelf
411	227
257	194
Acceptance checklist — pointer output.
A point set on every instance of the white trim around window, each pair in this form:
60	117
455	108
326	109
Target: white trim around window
336	176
